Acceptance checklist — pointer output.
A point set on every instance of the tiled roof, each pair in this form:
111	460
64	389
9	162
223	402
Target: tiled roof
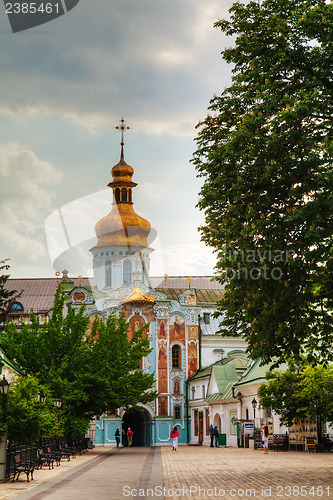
38	293
197	282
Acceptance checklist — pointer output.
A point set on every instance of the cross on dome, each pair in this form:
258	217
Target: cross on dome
122	128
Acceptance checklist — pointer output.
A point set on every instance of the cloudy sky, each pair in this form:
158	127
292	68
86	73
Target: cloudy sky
64	87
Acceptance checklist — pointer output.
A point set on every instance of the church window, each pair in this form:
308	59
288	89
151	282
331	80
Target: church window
177	413
117	194
176	356
144	273
124	194
130	195
108	274
127	272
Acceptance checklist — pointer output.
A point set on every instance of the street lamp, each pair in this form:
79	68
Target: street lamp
41	397
254	403
4	386
57	404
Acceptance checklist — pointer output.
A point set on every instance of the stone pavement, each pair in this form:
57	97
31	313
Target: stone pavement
245	473
191	472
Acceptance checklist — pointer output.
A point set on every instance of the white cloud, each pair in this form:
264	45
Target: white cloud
27	191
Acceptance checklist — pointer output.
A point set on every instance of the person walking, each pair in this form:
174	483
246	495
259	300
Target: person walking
216	436
174	434
117	436
211	434
264	434
129	436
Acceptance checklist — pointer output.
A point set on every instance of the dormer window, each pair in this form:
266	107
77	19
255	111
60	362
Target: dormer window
17	307
117	195
124	194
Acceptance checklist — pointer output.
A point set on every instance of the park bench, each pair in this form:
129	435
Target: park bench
71	450
45	458
64	453
280	442
22	466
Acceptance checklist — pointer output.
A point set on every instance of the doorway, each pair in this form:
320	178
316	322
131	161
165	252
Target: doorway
140	422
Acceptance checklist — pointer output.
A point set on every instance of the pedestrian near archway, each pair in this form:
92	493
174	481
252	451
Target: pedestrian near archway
174	434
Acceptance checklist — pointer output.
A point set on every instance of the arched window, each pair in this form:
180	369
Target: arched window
176	386
17	307
124	194
177	415
117	194
130	195
176	356
127	272
108	274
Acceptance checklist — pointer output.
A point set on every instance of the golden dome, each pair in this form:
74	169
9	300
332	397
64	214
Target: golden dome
137	296
122	226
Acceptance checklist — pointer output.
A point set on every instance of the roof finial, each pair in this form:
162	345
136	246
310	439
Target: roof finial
122	127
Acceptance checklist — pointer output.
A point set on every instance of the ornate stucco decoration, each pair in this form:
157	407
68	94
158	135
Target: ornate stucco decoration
192	316
162	311
188	298
81	296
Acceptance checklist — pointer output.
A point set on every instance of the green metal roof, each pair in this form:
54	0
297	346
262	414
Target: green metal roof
5	361
204	297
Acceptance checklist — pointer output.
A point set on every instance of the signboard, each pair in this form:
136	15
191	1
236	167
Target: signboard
249	427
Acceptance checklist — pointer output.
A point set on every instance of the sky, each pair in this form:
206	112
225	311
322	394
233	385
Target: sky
65	85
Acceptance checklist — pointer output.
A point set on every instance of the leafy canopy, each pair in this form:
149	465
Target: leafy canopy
301	391
265	155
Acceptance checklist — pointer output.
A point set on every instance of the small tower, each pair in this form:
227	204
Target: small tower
122	234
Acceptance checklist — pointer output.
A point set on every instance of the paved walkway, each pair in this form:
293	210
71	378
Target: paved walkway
191	472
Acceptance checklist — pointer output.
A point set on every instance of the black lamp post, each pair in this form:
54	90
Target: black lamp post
4	386
254	403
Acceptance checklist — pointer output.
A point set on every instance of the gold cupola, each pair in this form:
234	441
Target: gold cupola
122	226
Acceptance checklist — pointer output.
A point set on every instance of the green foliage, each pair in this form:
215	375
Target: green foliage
301	391
27	419
7	297
91	372
265	154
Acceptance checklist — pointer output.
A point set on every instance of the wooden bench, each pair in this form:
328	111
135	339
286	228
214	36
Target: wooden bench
21	466
280	442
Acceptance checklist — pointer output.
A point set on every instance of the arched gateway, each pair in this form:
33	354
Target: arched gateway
140	421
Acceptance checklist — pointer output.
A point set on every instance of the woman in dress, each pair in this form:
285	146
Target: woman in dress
174	434
264	433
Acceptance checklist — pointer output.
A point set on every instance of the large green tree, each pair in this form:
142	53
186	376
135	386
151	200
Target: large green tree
265	155
91	371
300	391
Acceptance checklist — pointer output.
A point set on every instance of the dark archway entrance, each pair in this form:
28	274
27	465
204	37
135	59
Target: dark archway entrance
141	424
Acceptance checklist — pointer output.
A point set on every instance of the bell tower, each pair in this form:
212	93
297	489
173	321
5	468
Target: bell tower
122	250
